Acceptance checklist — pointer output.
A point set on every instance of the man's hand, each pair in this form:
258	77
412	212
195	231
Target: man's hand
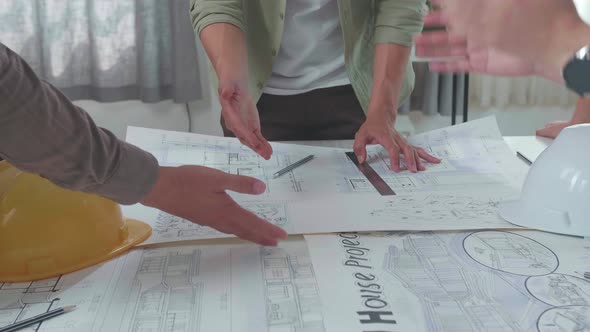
544	34
581	115
241	117
553	129
484	60
198	194
379	129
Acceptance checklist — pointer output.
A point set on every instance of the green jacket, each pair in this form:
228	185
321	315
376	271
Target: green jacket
364	23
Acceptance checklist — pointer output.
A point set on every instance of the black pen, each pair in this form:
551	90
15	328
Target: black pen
292	166
36	319
525	159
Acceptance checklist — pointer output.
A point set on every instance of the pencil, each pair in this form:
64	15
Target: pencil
525	159
291	167
37	319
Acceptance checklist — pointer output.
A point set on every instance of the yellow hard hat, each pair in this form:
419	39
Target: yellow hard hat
46	231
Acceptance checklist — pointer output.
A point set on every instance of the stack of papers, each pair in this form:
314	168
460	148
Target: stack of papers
330	194
435	256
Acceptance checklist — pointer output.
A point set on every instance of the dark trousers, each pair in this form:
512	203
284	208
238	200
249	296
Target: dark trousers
322	114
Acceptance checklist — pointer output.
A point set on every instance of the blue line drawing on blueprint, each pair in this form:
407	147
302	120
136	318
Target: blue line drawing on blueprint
511	253
440	207
165	294
558	289
453	297
565	319
291	291
23	300
87	289
488	281
171	227
234	159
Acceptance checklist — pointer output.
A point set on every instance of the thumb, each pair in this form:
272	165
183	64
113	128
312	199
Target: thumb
243	184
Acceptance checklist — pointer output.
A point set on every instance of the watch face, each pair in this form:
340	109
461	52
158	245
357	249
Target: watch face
577	76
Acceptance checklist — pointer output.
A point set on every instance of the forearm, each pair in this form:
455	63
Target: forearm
226	47
389	70
582	112
42	132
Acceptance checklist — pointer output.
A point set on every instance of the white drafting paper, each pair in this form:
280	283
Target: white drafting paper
330	188
88	289
223	288
468	281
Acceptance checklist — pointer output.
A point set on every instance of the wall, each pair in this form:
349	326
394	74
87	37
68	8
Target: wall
117	116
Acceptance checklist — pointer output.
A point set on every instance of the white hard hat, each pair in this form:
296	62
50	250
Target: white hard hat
556	193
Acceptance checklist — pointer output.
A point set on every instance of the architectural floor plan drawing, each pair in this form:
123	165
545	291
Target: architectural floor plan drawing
472	153
467	281
216	288
434	206
21	300
225	288
88	289
170	228
460	193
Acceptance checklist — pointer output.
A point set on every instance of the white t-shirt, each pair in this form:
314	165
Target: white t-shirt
312	49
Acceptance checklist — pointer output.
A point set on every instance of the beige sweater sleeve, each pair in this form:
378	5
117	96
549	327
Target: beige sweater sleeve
42	132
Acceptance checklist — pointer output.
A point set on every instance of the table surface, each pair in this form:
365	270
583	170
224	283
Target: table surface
530	146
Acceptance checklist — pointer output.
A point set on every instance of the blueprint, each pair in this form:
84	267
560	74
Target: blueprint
88	289
472	153
191	288
487	280
459	193
170	228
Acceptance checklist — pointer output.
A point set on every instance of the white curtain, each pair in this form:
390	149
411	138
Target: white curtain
490	91
107	50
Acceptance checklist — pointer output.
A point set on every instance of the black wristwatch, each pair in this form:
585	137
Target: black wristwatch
576	73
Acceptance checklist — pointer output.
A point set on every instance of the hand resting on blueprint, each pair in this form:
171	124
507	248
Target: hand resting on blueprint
389	65
379	129
198	194
581	115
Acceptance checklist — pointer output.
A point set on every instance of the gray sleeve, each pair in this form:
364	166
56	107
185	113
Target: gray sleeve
42	132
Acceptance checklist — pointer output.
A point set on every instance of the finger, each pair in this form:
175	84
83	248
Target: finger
241	184
426	156
393	150
249	226
235	123
442	53
360	147
409	156
440	44
440	38
419	164
435	19
460	66
245	134
266	148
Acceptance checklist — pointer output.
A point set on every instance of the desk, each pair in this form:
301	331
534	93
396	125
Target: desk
530	146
